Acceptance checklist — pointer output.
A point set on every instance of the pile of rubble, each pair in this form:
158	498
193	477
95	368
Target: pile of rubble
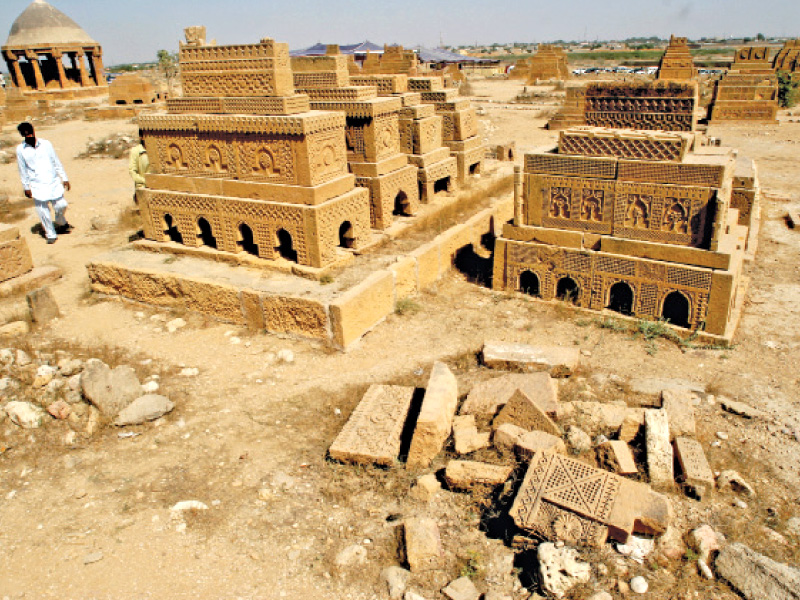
115	145
582	477
74	397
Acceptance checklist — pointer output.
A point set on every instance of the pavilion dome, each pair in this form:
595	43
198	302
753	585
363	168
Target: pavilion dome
43	25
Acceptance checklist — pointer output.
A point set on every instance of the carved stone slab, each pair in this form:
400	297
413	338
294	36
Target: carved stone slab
659	450
486	397
523	411
695	470
565	499
372	434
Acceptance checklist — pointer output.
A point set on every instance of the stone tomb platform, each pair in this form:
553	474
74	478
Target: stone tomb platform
17	273
276	299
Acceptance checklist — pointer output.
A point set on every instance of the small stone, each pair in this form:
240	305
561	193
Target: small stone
578	440
741	409
285	355
461	589
59	409
70	367
426	487
639	585
705	542
151	387
44	375
722	435
413	596
144	408
600	596
396	579
506	436
92	558
189	372
175	324
15	328
731	480
466	435
637	548
22	359
423	544
185	505
351	556
466	474
42	305
25	414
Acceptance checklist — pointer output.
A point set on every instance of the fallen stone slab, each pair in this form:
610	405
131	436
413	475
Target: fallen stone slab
603	417
680	410
521	410
145	408
742	409
466	436
564	499
423	544
696	474
756	576
616	456
110	390
461	589
532	442
435	421
506	436
630	427
486	397
656	385
660	458
560	569
372	434
557	360
466	474
42	305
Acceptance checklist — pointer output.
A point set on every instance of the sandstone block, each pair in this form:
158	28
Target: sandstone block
603	417
461	589
466	435
15	328
435	421
506	436
362	307
42	305
696	474
558	361
372	433
145	408
659	450
630	427
680	410
423	545
426	487
523	411
757	577
565	499
616	456
466	474
538	441
486	397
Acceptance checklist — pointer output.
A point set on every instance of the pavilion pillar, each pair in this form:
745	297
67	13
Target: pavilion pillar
16	72
62	76
99	69
37	69
85	80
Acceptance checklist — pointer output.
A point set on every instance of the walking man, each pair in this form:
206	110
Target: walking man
44	180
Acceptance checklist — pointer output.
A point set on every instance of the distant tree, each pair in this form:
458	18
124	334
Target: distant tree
747	40
760	37
788	90
168	65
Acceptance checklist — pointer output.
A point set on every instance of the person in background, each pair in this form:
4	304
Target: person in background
138	165
44	180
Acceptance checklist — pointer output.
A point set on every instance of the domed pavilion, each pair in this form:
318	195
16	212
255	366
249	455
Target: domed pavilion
50	54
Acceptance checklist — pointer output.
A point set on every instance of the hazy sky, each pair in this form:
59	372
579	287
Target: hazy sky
134	30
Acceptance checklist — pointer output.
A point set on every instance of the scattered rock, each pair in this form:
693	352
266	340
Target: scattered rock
461	589
188	505
670	544
92	558
285	356
396	579
352	556
466	474
175	324
466	436
578	440
757	577
44	375
144	408
42	305
150	387
413	596
607	418
600	596
793	526
189	372
70	367
705	542
742	409
423	546
25	414
730	479
110	390
426	487
637	548
506	436
560	569
22	358
59	409
486	397
639	585
15	328
538	441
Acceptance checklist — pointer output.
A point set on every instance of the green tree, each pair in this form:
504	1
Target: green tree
788	90
760	37
168	65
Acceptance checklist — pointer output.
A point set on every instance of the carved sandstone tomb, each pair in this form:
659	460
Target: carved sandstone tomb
665	106
131	89
632	221
40	40
420	135
394	60
748	91
549	63
241	163
372	134
676	63
788	58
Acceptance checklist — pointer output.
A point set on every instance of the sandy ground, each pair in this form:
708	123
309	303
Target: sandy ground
249	434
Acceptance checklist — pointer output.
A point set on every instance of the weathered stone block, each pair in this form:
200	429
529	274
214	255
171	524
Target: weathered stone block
302	316
506	436
466	474
696	474
42	305
461	589
423	545
524	412
558	361
659	450
372	434
486	397
680	410
757	577
616	456
362	307
15	257
630	426
466	436
532	442
435	421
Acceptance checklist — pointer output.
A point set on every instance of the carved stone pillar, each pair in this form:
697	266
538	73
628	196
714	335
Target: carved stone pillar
37	69
62	76
16	73
85	79
99	69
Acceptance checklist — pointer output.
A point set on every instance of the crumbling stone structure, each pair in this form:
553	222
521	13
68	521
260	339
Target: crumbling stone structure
637	222
665	106
372	132
549	62
788	58
749	90
677	63
131	89
242	165
39	41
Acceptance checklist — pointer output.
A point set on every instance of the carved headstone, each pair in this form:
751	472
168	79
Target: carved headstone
696	474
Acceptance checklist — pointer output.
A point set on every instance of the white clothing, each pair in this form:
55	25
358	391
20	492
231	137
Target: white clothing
43	210
41	171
